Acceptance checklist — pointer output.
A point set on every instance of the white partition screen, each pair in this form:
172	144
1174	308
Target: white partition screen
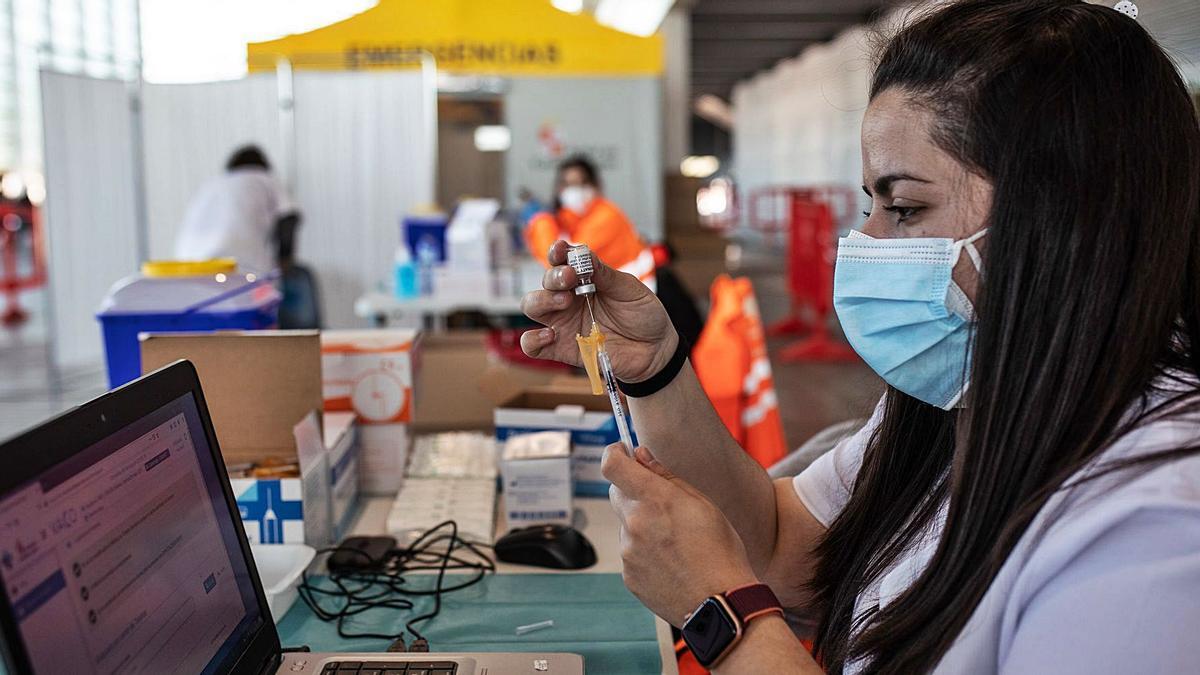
190	130
90	209
366	146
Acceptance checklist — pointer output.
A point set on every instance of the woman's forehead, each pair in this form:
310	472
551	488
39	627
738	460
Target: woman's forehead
896	140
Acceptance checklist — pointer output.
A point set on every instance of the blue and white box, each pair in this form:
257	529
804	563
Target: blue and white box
316	508
589	419
341	439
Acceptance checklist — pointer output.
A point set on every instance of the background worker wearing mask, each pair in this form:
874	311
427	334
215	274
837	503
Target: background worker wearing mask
583	216
244	214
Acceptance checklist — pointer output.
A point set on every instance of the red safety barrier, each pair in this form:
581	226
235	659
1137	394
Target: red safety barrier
811	217
811	254
770	208
14	217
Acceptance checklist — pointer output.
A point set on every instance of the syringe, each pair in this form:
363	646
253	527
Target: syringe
580	259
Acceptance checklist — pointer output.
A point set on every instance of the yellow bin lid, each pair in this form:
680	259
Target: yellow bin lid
188	268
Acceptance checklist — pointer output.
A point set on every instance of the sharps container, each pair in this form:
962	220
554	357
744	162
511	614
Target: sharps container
177	297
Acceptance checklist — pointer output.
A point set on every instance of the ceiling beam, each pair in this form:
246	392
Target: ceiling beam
746	50
763	8
759	30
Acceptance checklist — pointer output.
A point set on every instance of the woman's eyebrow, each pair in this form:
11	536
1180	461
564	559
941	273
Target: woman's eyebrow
883	184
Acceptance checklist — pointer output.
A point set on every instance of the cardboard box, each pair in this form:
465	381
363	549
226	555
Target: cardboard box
373	372
258	385
263	390
459	383
369	372
679	204
448	393
341	438
383	456
565	407
536	469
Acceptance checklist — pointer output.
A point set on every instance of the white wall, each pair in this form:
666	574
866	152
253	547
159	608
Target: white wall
365	147
799	122
366	155
90	210
618	122
190	130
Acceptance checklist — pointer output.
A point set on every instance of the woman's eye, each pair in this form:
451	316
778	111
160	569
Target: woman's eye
903	213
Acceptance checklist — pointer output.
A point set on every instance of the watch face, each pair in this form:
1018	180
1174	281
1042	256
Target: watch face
709	632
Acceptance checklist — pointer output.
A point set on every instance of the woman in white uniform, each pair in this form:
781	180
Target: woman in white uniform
1026	496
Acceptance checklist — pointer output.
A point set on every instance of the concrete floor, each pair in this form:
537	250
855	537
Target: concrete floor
811	395
30	391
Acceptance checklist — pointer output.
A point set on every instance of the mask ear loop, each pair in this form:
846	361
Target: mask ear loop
968	245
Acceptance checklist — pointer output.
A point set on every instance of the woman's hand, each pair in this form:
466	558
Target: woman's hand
677	547
640	337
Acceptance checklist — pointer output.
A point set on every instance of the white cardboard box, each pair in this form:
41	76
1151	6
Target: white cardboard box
588	419
341	440
537	478
369	372
383	454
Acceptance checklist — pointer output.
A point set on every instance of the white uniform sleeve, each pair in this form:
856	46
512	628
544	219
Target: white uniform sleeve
825	486
281	200
1125	599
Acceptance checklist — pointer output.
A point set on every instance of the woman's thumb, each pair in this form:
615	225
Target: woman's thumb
648	460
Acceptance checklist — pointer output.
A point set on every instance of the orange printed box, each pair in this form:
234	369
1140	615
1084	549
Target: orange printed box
370	372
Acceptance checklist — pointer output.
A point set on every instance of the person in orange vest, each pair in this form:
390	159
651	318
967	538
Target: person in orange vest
583	216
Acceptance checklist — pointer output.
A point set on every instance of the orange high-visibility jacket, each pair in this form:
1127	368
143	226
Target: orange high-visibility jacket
604	228
731	361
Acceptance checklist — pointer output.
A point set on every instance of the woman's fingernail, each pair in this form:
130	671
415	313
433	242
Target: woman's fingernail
558	275
546	334
561	300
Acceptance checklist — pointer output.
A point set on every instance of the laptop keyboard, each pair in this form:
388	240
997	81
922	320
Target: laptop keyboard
390	668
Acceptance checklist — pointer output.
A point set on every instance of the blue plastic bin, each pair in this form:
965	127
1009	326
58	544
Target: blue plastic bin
178	303
426	235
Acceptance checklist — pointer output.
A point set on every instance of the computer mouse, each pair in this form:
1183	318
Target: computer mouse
557	546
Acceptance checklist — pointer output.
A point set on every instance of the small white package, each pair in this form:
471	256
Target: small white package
424	503
537	478
454	454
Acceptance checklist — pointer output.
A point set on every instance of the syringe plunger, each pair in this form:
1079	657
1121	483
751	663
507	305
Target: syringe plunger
580	259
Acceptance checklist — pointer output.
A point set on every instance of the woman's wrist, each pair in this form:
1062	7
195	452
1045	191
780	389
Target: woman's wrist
662	371
768	646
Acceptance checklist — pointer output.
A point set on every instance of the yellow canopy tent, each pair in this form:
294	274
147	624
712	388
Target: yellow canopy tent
476	37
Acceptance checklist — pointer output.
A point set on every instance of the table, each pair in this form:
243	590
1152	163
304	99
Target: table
594	517
384	308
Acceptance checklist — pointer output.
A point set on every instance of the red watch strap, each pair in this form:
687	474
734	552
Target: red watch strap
753	601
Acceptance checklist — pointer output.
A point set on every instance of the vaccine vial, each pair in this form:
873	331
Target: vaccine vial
580	259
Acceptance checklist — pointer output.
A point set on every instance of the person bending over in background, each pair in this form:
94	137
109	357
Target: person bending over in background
1034	171
244	214
583	216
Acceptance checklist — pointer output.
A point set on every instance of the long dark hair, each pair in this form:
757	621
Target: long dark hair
1090	296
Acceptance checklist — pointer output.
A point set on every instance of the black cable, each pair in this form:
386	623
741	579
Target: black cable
358	591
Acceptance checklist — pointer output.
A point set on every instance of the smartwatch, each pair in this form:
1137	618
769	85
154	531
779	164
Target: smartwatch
716	626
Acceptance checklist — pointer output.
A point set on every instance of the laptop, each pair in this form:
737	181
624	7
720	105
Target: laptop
122	551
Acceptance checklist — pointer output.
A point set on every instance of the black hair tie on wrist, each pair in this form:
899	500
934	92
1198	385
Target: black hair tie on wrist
660	379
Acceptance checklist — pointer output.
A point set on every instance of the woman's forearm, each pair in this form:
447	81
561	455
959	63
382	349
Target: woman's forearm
678	424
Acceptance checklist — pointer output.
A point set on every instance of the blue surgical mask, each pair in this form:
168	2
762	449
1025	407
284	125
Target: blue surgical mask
903	313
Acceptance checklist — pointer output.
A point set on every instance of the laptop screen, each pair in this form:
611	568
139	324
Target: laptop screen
124	558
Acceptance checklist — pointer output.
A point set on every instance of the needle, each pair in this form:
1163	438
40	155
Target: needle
588	298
